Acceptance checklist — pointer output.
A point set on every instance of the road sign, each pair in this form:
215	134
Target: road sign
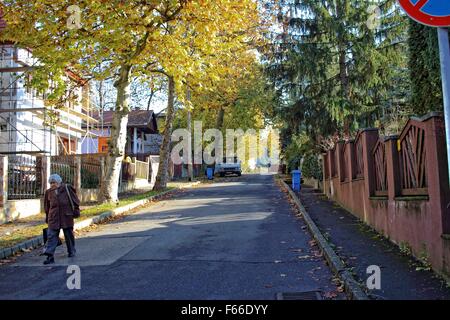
435	13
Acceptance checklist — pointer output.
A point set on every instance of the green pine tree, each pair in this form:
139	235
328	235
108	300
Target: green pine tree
424	68
335	63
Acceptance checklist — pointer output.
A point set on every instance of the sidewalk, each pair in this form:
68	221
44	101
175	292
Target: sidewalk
14	233
402	276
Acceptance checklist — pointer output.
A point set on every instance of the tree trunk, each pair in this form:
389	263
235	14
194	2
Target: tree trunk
343	75
343	71
164	154
118	138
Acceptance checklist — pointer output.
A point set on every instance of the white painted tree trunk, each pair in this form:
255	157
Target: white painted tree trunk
116	146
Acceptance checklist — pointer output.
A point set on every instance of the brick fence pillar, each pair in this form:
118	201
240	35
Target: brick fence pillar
370	138
330	161
43	172
437	170
325	173
340	160
393	167
351	158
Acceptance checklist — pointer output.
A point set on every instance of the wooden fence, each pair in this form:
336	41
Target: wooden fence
399	185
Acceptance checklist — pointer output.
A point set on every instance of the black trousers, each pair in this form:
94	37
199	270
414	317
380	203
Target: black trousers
52	241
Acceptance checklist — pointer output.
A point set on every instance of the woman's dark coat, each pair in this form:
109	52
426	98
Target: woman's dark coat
58	210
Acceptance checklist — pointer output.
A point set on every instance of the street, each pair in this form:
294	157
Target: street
235	239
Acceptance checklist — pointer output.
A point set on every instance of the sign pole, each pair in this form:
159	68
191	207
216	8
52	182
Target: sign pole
444	49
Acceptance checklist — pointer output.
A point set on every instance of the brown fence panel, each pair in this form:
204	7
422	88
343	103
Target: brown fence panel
380	166
413	159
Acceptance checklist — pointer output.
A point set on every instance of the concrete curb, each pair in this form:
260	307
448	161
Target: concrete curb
351	286
37	242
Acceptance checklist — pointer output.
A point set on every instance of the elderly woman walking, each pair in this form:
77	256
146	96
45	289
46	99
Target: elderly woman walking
61	206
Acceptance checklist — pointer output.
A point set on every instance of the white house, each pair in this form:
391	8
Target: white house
24	124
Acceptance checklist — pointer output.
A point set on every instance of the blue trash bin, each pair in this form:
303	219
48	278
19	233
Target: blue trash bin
209	173
296	180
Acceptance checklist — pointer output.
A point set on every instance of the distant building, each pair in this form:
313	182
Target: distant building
24	120
143	138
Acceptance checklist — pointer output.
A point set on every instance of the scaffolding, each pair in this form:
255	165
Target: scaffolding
25	124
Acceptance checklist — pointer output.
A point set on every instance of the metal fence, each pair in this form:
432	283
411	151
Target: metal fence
91	172
22	178
65	167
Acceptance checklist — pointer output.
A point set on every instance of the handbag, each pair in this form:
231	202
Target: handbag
76	213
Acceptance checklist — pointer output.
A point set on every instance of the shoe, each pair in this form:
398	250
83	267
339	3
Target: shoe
49	260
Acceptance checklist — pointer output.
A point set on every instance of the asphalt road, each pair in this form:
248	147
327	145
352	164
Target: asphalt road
235	239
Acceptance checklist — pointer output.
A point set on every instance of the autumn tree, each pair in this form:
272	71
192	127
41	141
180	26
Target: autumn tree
208	41
120	39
